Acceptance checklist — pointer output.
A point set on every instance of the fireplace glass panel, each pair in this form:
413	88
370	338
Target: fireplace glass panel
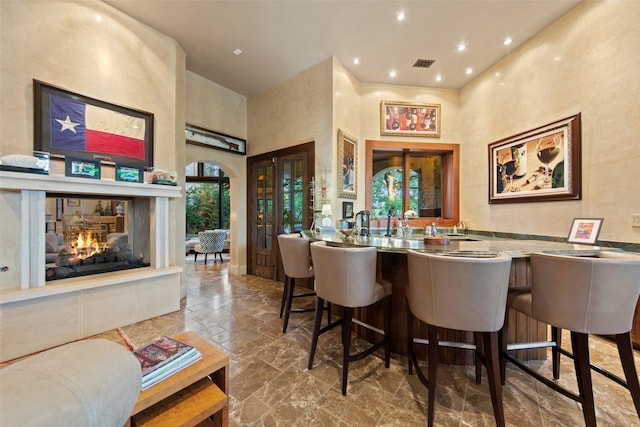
87	235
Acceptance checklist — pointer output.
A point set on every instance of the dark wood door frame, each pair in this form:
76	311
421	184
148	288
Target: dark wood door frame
274	156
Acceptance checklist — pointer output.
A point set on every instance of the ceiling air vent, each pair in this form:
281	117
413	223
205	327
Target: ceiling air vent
423	63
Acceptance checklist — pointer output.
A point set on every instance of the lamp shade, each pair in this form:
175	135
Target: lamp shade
326	209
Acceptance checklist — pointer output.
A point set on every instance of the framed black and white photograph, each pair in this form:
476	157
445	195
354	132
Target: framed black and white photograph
82	168
585	230
128	173
347	210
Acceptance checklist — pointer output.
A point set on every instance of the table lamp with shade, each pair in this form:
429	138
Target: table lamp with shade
325	224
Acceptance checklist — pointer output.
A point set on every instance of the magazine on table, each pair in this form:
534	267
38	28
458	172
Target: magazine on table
169	370
163	357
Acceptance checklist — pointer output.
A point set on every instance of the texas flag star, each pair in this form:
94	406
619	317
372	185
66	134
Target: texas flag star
67	124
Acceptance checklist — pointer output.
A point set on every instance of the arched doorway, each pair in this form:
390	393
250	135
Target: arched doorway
207	200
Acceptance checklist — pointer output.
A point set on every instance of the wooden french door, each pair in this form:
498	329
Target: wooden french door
278	202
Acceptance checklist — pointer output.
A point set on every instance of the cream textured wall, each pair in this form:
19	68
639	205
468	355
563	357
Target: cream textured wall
215	107
90	48
295	111
586	62
346	117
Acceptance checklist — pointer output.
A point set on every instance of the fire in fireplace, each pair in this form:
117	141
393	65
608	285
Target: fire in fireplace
86	255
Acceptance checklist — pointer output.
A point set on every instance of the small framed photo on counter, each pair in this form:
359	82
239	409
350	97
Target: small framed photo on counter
82	168
585	230
128	173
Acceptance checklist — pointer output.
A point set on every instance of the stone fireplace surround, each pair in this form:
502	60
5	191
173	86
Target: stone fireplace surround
35	314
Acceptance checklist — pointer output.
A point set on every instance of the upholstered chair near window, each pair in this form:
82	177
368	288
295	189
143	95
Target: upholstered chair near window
211	242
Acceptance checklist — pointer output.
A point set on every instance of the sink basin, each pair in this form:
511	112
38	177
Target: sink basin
461	237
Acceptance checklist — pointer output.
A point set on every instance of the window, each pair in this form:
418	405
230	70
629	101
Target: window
207	198
428	171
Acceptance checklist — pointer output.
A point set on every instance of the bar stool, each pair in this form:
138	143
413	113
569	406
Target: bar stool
586	295
296	260
347	277
464	294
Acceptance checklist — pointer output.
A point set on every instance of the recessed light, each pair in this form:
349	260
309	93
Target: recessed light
356	61
469	70
461	47
392	74
237	52
438	78
508	41
400	16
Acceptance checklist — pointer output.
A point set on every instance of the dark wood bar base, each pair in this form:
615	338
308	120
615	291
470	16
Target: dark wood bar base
393	267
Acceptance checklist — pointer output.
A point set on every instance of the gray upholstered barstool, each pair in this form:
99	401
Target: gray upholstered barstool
585	295
296	260
460	293
347	277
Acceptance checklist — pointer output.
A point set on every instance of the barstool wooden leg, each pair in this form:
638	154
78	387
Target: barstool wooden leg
316	331
287	310
432	358
410	353
387	332
625	350
580	345
502	341
478	338
347	318
284	295
556	336
492	360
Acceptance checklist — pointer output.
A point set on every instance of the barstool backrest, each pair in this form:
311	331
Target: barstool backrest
296	258
345	276
462	293
593	295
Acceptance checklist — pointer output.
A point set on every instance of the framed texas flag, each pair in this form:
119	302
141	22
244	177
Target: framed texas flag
82	127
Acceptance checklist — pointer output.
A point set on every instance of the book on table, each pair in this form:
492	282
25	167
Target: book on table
163	358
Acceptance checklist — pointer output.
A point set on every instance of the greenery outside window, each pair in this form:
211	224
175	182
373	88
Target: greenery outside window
428	171
207	198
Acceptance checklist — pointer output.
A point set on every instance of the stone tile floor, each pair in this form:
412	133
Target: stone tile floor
271	386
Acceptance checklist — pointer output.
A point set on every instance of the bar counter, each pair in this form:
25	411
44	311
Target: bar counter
392	266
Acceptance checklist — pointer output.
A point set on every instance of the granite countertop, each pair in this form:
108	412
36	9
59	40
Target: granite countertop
460	245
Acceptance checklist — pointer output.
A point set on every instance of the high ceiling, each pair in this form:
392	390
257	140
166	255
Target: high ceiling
281	38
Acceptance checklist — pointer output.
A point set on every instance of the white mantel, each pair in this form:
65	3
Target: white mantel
35	314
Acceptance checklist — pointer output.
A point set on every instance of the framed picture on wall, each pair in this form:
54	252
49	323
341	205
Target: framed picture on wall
409	119
207	138
70	124
539	165
347	210
347	165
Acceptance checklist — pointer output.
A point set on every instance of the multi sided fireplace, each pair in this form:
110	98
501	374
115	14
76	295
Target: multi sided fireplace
100	241
51	313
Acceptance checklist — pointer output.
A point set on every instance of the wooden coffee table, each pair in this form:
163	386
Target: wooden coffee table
197	394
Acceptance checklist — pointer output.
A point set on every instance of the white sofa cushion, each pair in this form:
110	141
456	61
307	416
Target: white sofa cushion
92	382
